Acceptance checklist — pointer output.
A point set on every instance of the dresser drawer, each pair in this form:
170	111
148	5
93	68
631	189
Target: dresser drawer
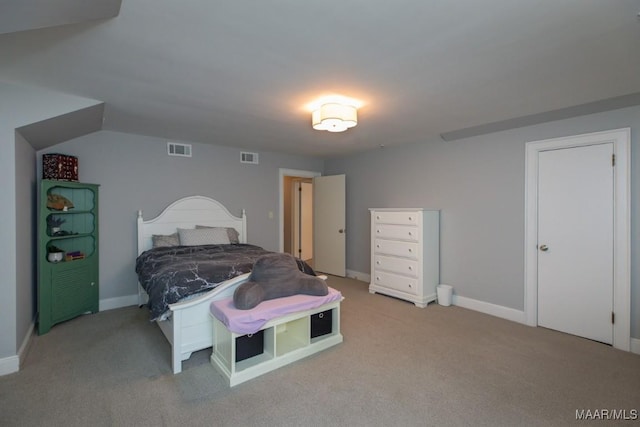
403	266
396	248
400	232
399	283
403	218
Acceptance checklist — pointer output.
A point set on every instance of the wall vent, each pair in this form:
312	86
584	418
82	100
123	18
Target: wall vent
246	157
175	149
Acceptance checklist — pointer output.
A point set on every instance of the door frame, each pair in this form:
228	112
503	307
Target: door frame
302	216
282	172
621	223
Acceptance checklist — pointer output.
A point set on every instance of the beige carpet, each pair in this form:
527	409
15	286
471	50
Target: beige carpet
398	366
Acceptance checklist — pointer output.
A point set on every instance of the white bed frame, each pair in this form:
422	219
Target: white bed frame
189	327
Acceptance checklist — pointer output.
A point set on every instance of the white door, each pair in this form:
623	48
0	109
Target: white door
575	241
329	241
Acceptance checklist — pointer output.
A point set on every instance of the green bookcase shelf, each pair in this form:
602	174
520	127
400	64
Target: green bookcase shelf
69	287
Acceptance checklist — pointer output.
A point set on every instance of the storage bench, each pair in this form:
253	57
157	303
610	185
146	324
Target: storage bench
249	343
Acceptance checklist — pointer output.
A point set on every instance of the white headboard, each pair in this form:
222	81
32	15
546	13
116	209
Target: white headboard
187	213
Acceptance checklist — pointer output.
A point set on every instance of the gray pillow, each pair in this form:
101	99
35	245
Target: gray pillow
234	236
160	240
203	236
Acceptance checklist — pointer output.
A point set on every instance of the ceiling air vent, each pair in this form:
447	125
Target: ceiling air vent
175	149
246	157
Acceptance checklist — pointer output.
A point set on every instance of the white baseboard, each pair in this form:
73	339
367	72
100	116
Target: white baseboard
364	277
510	314
9	365
111	303
26	341
491	309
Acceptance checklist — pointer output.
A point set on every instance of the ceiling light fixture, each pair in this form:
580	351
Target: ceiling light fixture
334	115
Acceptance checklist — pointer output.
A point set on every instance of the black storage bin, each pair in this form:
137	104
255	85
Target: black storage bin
321	323
249	345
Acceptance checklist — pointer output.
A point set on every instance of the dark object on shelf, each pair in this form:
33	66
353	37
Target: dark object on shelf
52	221
249	345
53	249
72	256
60	167
321	323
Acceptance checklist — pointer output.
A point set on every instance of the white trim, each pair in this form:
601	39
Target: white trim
118	302
281	174
635	345
491	309
9	365
363	277
26	342
622	245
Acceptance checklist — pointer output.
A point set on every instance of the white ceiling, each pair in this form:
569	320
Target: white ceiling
240	72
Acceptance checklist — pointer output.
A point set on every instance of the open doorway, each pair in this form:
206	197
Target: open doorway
328	209
296	213
298	239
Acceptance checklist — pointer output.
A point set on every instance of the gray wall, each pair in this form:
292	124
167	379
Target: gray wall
8	279
19	106
26	244
478	183
134	172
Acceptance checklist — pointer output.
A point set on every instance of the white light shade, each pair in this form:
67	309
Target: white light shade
334	117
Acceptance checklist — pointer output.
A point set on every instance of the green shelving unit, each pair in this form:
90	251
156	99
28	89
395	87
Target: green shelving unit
68	288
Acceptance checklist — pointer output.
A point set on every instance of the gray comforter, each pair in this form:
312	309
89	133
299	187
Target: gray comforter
169	274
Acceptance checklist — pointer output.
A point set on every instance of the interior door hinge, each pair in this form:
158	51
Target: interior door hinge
613	317
613	160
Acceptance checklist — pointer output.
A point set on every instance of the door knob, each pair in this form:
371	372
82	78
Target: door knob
544	248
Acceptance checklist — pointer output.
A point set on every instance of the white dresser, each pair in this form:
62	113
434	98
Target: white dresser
405	253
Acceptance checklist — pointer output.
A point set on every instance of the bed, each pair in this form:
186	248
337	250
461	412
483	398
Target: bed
188	326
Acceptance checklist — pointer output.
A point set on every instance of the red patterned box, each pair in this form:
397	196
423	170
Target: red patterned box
60	167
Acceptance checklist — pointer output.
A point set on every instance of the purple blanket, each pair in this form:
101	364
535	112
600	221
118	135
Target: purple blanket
251	321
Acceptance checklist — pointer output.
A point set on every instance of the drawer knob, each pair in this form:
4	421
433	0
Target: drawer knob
249	335
377	231
410	234
410	285
410	218
320	316
378	262
410	268
378	217
93	283
377	246
410	250
377	278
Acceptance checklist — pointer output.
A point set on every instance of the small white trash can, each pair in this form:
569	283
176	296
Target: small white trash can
444	293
